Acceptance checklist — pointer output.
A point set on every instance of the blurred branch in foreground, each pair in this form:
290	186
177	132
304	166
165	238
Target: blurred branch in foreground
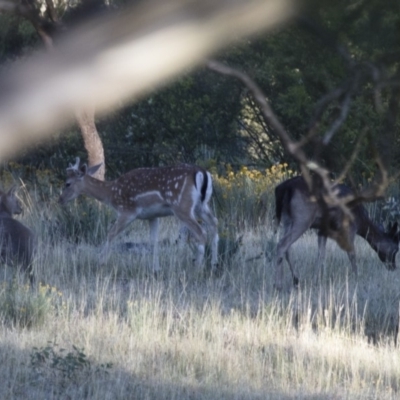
119	56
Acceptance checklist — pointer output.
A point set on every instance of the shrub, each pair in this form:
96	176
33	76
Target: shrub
82	220
21	306
244	196
64	367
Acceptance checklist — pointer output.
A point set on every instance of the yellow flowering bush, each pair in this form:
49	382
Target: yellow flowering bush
238	194
43	180
24	307
257	180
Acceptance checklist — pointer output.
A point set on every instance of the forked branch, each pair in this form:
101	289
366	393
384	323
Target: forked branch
316	176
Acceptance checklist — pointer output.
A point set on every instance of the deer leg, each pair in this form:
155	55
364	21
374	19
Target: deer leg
154	223
352	257
319	266
293	230
120	224
198	233
292	270
212	224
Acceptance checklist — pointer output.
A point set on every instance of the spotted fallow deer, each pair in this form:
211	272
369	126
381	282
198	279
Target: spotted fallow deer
151	193
300	212
17	242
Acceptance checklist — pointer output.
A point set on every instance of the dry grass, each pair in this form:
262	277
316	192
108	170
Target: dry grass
185	334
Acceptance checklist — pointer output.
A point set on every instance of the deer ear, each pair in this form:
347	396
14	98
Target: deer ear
83	170
92	170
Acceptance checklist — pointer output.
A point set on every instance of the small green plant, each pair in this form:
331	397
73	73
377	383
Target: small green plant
83	220
25	308
65	366
246	196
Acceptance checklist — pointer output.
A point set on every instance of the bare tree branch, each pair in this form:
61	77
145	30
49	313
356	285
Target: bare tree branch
350	162
323	104
289	145
323	189
344	112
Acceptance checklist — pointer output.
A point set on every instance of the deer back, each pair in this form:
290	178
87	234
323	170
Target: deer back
293	198
170	185
153	192
17	242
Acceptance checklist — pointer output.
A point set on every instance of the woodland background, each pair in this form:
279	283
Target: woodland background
87	330
212	120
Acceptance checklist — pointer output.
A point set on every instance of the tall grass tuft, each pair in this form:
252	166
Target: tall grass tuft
113	330
245	197
23	308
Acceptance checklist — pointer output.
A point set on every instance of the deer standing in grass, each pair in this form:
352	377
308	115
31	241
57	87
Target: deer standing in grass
17	242
299	212
151	193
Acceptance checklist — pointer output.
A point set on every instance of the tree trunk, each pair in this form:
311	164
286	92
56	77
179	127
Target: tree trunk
46	24
92	141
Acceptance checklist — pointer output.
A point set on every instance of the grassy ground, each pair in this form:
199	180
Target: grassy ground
115	331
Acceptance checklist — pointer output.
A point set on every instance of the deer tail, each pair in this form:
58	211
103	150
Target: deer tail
281	196
203	181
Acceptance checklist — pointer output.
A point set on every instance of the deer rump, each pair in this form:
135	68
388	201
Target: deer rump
299	212
293	198
17	243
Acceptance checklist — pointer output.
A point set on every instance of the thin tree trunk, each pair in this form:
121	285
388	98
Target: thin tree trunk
91	139
85	118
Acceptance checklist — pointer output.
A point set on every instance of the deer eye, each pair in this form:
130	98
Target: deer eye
68	184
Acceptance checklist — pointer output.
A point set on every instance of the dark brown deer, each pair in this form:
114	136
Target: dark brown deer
151	193
17	242
299	211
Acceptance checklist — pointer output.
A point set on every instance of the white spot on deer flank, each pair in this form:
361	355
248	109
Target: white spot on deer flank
149	193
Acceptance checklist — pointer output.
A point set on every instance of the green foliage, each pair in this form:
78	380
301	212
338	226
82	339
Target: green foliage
245	197
84	219
25	308
192	120
17	37
45	181
65	367
55	154
298	65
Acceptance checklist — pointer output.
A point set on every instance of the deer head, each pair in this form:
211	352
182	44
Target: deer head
75	182
9	202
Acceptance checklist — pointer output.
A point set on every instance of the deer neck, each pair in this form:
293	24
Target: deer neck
370	232
100	190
